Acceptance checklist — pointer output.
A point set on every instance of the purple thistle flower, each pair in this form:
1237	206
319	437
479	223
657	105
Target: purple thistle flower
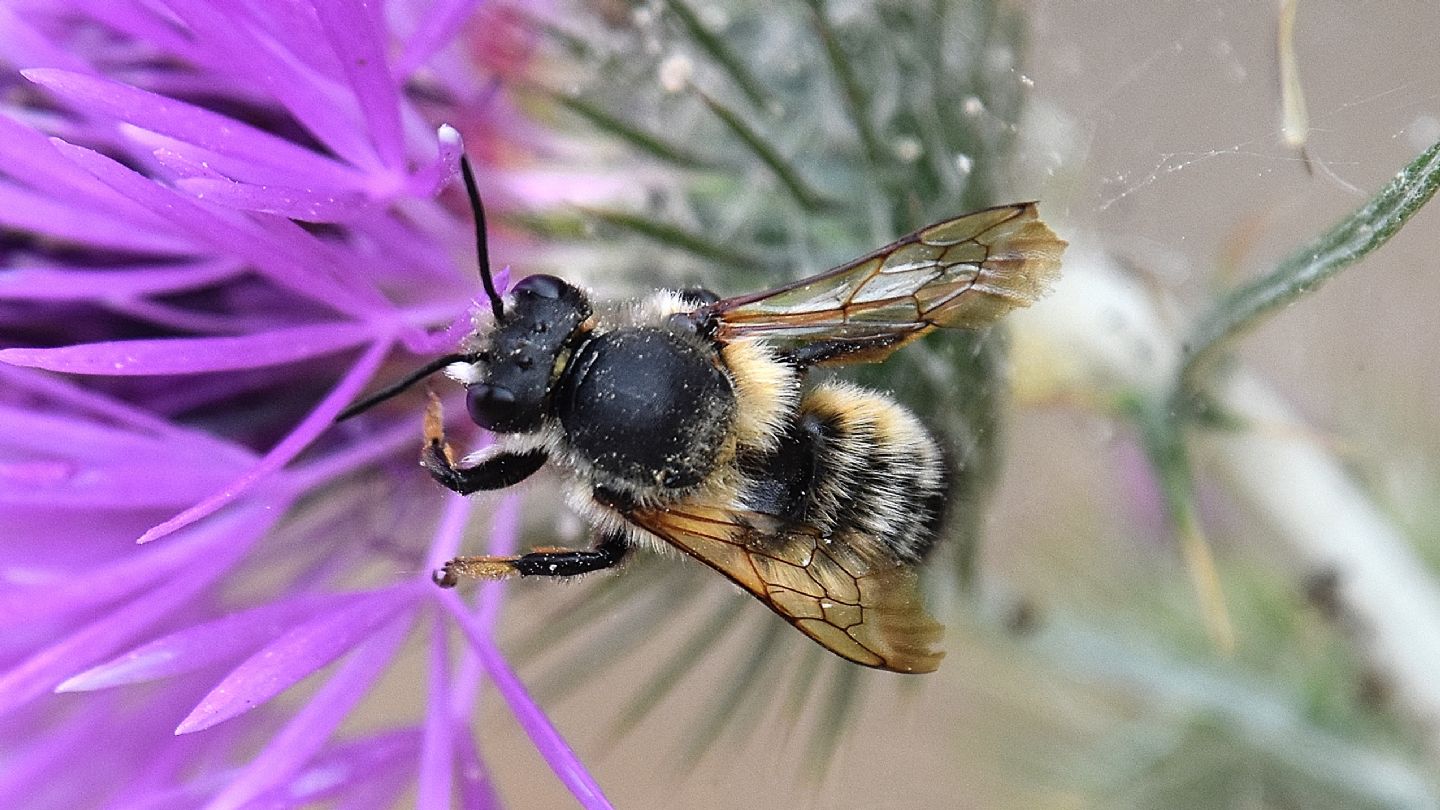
217	222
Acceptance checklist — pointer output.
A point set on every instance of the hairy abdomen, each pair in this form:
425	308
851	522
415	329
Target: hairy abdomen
854	463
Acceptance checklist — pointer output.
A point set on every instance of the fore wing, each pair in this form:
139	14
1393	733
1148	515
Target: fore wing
963	272
848	595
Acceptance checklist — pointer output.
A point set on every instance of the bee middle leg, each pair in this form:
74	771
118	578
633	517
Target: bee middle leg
842	350
548	563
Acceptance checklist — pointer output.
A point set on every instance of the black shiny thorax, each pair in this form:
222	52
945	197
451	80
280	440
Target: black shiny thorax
643	409
646	407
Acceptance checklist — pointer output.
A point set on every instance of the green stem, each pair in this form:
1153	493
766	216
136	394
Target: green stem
675	237
721	52
678	665
645	142
1164	444
787	173
856	102
1349	241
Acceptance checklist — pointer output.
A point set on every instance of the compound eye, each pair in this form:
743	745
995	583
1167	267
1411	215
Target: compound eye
490	405
543	286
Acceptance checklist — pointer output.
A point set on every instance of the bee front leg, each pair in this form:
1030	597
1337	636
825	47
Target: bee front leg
497	472
549	563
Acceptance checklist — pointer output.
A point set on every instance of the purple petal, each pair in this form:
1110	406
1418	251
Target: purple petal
185	160
420	342
437	751
355	767
477	789
34	596
194	355
288	659
547	740
201	645
44	756
306	205
27	156
319	420
129	757
229	237
188	123
183	320
340	266
40	433
291	27
147	22
120	486
416	249
38	674
242	49
306	733
435	175
177	158
469	674
351	767
354	32
26	46
58	482
448	533
504	537
66	395
438	25
61	284
82	223
375	447
382	792
239	47
81	463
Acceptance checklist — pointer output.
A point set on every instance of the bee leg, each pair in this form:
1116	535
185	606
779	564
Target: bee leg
858	350
550	563
497	472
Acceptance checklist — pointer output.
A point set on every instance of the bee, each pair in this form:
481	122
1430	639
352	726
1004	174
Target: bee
683	420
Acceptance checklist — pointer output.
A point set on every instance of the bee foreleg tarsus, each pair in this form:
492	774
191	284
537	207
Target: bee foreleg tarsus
484	568
497	472
434	425
551	562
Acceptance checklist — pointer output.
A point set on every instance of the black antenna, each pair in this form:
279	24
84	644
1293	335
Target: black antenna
482	253
399	386
482	248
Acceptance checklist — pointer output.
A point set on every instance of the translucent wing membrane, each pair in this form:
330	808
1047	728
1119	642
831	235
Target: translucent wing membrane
843	592
963	272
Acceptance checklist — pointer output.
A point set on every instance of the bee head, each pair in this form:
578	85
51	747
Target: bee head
518	364
507	389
